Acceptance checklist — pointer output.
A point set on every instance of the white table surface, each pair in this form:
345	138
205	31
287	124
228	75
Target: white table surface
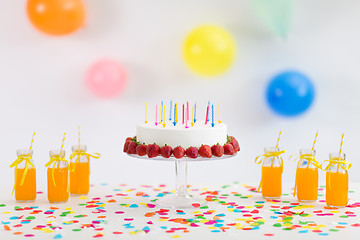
158	228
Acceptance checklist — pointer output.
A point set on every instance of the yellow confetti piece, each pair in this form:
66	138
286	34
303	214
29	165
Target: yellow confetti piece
162	220
144	204
230	210
240	219
69	208
126	197
46	230
287	224
238	225
334	211
321	226
196	212
212	227
254	224
176	236
205	189
303	207
204	220
129	190
248	206
83	197
6	212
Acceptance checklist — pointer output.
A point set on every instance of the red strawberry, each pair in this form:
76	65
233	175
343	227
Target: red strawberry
132	147
192	152
166	151
235	143
217	150
229	149
141	150
129	139
126	145
179	152
205	151
152	150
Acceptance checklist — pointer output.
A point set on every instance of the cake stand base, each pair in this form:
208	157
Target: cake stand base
180	201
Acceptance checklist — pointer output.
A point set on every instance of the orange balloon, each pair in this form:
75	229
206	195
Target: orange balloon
56	17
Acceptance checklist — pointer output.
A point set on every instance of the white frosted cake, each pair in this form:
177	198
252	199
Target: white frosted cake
179	135
191	137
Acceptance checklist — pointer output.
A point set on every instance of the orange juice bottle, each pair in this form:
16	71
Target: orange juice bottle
307	177
58	177
79	171
26	191
271	173
337	181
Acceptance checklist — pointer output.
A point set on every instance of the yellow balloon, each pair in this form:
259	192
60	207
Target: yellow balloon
209	50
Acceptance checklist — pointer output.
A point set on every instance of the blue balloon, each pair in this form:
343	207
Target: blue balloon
290	93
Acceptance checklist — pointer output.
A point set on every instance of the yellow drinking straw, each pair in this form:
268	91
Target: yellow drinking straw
278	140
192	115
146	106
62	143
219	113
316	135
341	143
79	138
164	117
32	141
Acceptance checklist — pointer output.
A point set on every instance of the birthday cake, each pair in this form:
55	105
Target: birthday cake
178	139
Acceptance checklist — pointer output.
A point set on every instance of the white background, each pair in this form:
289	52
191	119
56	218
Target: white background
42	84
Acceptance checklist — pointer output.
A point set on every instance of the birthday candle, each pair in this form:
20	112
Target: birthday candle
183	120
170	112
156	115
212	115
195	114
192	116
187	111
219	114
207	114
164	118
161	112
175	115
146	105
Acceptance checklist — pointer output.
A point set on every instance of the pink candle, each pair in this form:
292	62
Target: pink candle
156	115
187	111
183	119
207	114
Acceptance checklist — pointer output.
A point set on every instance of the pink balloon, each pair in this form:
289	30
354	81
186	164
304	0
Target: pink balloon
106	78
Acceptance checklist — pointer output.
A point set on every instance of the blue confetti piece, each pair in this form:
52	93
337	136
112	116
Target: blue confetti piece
218	225
116	190
180	213
34	207
57	236
160	195
274	217
104	184
219	220
220	215
5	223
163	227
323	234
255	228
133	206
146	228
303	231
13	218
215	231
237	210
25	221
342	223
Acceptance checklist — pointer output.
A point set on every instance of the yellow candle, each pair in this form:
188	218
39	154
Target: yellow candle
146	105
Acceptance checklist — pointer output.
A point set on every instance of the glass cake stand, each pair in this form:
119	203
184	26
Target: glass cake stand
181	197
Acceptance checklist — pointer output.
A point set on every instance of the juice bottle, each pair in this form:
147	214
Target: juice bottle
25	185
271	173
337	180
79	170
58	177
307	177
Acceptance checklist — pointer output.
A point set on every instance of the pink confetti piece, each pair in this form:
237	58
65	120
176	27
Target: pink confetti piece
151	205
194	225
128	219
29	235
119	212
196	205
149	222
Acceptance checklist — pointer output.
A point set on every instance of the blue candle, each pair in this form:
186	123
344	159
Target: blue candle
170	112
195	113
175	107
161	111
212	115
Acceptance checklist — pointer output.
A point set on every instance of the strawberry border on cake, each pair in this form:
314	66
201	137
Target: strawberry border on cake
132	146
